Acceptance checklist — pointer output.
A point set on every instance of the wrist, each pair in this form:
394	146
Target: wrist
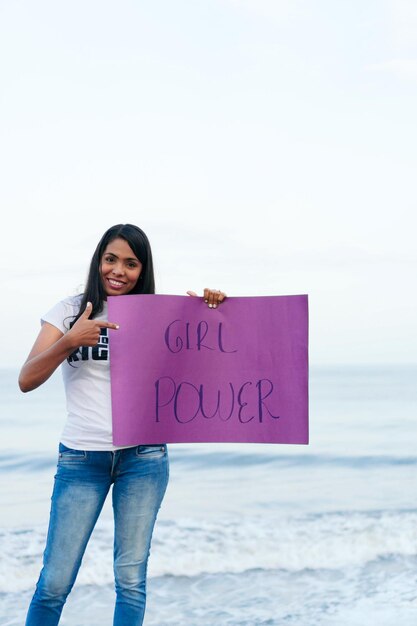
68	342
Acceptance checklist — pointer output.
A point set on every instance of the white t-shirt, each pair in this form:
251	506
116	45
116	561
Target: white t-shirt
87	384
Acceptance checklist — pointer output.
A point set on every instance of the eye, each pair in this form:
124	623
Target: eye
109	259
132	264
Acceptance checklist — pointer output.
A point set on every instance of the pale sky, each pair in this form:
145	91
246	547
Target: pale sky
266	147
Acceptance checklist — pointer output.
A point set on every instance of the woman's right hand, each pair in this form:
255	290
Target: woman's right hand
86	332
52	347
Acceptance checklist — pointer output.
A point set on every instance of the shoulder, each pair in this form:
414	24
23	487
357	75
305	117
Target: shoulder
62	313
71	302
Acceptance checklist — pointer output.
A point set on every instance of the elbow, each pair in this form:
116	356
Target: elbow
23	386
24	383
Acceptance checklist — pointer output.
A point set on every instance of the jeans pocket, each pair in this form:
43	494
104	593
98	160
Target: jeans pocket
151	452
69	455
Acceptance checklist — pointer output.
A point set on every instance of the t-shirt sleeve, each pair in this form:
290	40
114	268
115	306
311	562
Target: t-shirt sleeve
60	316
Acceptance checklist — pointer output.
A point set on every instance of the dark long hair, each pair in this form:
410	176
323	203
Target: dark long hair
138	241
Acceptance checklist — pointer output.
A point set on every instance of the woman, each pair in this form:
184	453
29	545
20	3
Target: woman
75	333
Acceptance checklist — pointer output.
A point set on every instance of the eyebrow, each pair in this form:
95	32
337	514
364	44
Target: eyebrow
128	259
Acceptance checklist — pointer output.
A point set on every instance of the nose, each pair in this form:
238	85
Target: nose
118	270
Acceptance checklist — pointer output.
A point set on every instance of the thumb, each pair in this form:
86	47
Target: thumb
87	310
192	293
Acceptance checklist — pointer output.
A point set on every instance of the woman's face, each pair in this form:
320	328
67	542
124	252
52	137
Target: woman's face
119	268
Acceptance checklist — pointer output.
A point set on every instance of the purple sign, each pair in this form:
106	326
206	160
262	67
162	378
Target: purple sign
182	372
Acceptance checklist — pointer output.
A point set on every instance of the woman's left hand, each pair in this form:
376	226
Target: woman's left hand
213	297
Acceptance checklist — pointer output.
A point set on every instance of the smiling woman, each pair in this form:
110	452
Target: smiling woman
123	255
75	333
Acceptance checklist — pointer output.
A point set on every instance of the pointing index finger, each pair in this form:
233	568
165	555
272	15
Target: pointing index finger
103	324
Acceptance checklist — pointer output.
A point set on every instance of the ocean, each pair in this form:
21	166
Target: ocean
248	534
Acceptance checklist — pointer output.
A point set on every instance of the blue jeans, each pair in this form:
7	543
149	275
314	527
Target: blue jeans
139	476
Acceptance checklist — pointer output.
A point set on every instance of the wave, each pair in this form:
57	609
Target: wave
203	459
190	547
287	459
11	462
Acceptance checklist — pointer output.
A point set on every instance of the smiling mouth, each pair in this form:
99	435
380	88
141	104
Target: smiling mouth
115	283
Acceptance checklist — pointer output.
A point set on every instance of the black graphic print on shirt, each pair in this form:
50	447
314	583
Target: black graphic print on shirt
100	352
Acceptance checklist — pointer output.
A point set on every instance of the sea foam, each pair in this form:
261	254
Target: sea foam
190	547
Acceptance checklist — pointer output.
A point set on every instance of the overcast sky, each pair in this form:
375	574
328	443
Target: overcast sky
266	147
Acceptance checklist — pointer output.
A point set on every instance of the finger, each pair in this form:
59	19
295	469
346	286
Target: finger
103	324
211	298
206	294
87	310
222	296
192	293
217	300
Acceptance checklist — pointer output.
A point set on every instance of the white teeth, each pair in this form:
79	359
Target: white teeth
115	282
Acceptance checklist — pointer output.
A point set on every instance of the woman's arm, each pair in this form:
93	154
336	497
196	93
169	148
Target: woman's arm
52	347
